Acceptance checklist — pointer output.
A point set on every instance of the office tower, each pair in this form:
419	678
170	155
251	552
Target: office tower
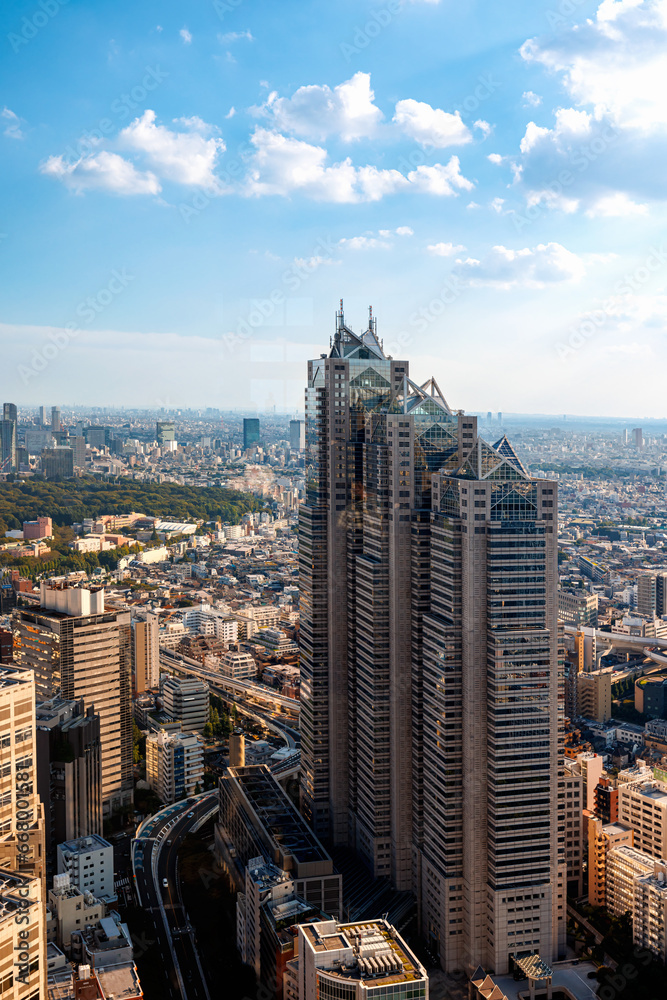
55	420
9	436
428	594
21	811
58	463
647	587
81	650
9	412
43	418
22	941
146	654
174	765
250	432
96	437
185	699
69	770
165	431
78	445
297	435
637	437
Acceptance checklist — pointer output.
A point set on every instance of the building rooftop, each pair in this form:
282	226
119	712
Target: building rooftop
370	951
281	820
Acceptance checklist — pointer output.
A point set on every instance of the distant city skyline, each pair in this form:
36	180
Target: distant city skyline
198	189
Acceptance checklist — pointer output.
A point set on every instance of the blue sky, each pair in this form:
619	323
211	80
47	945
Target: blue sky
189	188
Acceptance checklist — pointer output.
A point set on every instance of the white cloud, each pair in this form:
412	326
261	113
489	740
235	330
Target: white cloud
188	157
615	62
282	165
431	126
231	112
318	111
527	268
102	172
531	100
363	243
497	205
370	241
444	249
185	35
613	139
495	158
616	205
13	127
440	179
235	36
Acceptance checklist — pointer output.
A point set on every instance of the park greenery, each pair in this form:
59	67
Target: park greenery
72	500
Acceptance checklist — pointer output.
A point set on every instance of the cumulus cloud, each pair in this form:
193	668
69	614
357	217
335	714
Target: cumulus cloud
531	100
503	268
188	157
616	205
613	139
12	127
185	35
441	179
431	126
318	111
444	249
282	165
102	172
615	62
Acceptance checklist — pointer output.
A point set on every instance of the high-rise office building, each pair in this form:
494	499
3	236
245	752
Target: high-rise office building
55	419
250	432
43	417
58	463
146	653
69	771
9	438
297	435
186	699
637	437
80	650
21	811
429	637
165	431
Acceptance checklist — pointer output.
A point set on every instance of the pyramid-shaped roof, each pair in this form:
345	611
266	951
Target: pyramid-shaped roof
503	447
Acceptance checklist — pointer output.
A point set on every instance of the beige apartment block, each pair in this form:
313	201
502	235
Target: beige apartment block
21	811
643	808
78	648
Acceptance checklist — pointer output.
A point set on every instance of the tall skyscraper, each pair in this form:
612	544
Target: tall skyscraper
80	650
146	653
55	419
297	435
22	888
43	418
428	580
250	432
9	438
637	437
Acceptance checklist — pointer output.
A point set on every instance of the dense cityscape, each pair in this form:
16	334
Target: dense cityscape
367	697
333	500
